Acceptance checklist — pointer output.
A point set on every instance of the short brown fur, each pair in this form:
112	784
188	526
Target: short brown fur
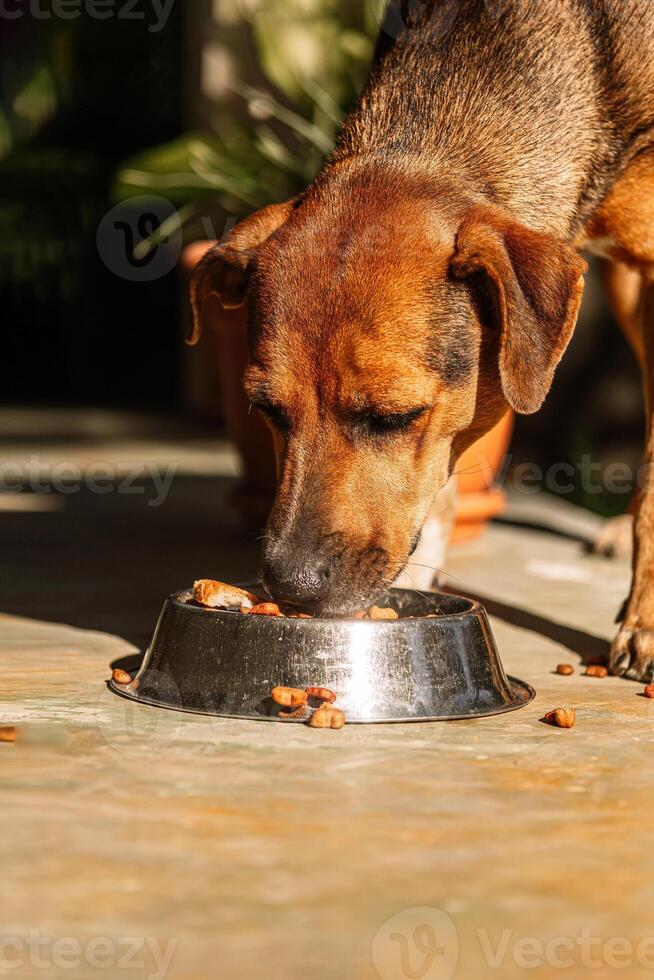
430	277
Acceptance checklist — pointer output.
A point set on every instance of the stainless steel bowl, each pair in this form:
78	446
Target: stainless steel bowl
219	662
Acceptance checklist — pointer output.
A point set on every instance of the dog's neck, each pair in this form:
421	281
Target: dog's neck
502	105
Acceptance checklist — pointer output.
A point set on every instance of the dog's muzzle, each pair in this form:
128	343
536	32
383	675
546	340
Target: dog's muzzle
300	578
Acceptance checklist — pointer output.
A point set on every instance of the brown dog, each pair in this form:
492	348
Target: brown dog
430	277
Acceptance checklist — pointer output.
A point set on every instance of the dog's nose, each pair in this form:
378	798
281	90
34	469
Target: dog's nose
302	581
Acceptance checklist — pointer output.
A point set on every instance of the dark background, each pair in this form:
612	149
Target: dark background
74	331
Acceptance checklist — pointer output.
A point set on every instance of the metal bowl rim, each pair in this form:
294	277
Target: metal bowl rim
513	705
474	609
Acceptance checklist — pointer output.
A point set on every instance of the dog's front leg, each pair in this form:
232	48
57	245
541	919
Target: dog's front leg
632	653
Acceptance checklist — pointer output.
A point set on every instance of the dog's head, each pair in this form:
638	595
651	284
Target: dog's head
387	332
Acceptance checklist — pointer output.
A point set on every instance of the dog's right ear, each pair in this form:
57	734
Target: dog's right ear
224	270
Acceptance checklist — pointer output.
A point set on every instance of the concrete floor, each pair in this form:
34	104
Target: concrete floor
143	843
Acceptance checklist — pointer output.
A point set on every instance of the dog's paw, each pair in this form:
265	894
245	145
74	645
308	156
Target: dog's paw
615	538
632	654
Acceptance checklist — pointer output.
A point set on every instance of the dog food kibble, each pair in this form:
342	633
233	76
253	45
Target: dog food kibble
219	595
264	609
649	691
596	671
565	669
562	717
289	697
7	733
376	612
121	676
327	716
294	712
321	694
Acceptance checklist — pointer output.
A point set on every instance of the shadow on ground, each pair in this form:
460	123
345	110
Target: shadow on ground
586	540
107	561
588	647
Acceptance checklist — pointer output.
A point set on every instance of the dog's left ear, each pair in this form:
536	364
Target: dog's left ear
224	270
535	284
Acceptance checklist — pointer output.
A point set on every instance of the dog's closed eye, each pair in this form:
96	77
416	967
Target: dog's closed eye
275	414
373	423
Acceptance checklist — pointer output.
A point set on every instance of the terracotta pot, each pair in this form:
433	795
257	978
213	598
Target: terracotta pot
478	498
223	351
